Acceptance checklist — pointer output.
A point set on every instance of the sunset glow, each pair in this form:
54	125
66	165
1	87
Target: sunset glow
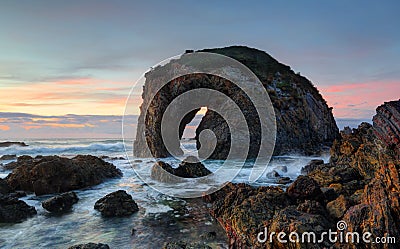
60	58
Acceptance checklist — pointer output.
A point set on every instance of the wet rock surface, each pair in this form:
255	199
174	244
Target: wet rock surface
90	246
185	245
116	204
13	210
164	172
8	144
305	123
60	203
360	185
8	157
54	174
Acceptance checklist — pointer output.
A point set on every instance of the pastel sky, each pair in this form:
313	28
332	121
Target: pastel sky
82	57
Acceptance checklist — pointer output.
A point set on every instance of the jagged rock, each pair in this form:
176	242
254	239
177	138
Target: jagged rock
305	123
8	157
116	204
8	144
90	246
338	207
290	219
54	174
387	125
244	211
311	166
304	188
311	207
185	245
13	210
60	203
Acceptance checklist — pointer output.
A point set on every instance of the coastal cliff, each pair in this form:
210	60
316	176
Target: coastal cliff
305	123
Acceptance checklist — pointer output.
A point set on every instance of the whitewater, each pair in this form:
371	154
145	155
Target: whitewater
160	219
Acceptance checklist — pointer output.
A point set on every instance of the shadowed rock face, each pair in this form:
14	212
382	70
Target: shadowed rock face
13	210
305	123
387	124
360	185
116	204
54	174
60	203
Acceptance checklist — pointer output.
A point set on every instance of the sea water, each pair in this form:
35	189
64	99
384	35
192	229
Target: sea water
160	219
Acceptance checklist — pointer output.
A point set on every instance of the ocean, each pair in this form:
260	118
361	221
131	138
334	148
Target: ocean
161	218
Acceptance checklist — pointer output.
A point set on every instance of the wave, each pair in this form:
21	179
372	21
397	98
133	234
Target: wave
62	149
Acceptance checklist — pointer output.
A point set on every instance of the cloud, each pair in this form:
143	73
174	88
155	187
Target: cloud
359	100
34	126
4	127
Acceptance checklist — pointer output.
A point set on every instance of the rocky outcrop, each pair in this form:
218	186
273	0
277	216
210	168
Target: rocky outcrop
90	246
116	204
245	211
164	172
305	123
60	203
360	186
387	124
54	174
13	210
8	144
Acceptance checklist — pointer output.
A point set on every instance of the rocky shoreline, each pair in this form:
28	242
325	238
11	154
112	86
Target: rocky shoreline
359	186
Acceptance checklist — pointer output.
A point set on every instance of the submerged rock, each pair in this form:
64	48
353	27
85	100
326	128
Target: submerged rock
90	246
8	144
116	204
185	245
305	123
60	203
13	210
54	174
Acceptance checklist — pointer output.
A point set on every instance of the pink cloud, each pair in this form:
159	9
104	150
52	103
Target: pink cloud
359	100
4	127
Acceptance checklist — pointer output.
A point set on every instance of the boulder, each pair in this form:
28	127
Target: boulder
305	188
54	174
191	170
13	210
116	204
90	246
164	172
60	203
